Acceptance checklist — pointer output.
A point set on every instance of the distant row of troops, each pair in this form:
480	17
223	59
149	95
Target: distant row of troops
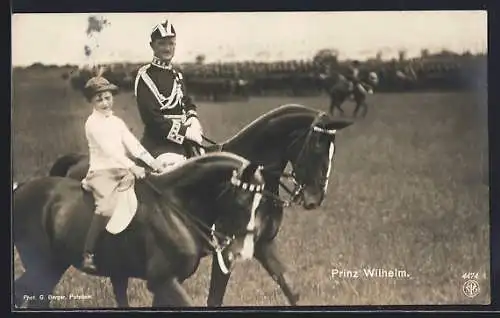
232	81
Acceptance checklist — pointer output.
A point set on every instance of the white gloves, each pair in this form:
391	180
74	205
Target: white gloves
195	123
194	130
194	134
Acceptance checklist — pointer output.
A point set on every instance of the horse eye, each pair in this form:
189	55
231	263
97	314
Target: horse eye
319	144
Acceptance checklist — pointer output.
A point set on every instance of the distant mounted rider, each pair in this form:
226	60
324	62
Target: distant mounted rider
356	85
171	124
349	85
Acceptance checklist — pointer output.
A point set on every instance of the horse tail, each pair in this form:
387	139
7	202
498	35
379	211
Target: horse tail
64	163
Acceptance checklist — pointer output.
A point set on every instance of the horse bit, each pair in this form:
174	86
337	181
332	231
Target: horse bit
298	188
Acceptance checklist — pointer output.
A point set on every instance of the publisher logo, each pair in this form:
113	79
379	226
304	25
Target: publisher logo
471	288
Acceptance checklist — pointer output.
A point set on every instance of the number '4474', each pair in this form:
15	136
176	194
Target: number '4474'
470	275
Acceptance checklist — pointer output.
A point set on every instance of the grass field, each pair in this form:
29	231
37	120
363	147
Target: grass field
407	192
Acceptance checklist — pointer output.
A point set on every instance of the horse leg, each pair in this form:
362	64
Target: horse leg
170	293
365	109
166	288
360	105
218	285
35	285
42	272
337	104
339	107
120	285
265	253
356	110
332	106
23	289
168	266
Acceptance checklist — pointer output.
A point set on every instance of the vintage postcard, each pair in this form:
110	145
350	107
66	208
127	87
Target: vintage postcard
250	159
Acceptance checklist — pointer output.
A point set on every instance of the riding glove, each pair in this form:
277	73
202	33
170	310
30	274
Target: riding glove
194	134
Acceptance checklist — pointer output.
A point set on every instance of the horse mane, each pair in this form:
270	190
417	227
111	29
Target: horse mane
265	118
209	160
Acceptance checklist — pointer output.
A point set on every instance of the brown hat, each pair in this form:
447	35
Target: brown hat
98	84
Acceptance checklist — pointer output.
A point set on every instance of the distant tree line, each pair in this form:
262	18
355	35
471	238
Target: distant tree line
239	80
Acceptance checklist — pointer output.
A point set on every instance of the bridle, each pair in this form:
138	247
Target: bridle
300	165
298	188
217	240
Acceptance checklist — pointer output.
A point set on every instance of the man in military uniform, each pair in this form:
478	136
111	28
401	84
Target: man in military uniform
352	76
171	124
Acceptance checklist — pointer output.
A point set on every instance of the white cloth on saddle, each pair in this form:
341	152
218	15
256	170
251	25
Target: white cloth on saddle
170	161
127	203
125	211
120	194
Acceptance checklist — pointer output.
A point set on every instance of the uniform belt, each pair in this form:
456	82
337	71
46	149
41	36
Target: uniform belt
178	117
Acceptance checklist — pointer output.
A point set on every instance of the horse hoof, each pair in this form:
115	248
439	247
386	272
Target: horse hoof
211	304
294	299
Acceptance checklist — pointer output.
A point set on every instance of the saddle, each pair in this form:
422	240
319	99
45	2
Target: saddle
170	161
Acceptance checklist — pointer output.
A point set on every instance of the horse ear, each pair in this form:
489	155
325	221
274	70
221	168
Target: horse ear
337	123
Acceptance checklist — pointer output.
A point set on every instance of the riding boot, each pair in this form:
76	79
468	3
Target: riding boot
96	228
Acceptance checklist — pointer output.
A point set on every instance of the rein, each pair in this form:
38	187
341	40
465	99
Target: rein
197	224
211	141
298	189
218	240
294	193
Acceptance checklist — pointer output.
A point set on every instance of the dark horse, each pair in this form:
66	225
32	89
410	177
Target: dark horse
290	133
340	89
164	242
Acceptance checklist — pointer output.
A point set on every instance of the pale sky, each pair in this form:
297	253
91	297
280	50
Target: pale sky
60	38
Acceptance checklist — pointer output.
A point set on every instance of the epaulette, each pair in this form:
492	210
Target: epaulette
178	71
141	71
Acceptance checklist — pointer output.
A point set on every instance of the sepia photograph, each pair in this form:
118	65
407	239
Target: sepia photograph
249	159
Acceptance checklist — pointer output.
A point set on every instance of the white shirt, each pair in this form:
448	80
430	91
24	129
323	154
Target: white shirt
110	143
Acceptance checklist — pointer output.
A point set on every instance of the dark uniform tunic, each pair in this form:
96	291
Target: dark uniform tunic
164	107
352	76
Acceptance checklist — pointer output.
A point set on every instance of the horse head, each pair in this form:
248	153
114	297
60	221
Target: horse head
312	158
224	190
247	186
293	134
